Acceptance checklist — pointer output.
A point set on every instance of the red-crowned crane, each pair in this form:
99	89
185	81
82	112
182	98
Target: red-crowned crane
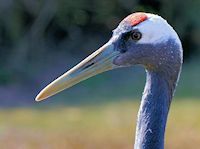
145	39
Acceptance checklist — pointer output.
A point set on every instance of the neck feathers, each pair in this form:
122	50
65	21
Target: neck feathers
153	111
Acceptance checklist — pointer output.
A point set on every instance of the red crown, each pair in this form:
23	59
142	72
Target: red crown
136	18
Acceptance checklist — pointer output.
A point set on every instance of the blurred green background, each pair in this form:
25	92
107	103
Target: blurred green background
40	40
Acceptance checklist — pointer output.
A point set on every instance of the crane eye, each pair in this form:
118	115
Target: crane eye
136	35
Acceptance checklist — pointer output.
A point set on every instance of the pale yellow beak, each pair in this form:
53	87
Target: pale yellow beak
98	62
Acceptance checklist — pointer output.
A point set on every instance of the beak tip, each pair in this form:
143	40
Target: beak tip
39	97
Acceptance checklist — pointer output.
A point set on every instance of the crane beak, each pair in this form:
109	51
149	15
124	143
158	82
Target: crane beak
99	61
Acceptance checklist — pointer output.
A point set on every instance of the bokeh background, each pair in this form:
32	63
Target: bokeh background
40	40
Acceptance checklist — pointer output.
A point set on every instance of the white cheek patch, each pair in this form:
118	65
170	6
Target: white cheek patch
155	30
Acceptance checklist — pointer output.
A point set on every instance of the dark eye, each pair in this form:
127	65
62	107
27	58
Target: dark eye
136	35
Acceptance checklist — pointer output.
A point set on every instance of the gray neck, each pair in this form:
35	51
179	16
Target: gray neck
152	115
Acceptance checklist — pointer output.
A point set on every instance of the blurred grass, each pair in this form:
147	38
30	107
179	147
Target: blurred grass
107	125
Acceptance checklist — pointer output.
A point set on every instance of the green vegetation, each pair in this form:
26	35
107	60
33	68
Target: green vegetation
108	126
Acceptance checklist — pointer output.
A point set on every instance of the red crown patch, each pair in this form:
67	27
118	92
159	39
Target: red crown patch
136	18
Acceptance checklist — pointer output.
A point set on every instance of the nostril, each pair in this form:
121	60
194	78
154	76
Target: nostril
87	66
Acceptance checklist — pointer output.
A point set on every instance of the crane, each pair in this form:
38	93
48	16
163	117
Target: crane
140	39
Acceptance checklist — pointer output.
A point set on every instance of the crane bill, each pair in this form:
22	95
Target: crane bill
99	61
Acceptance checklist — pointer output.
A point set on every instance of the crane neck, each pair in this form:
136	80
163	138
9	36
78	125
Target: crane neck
153	111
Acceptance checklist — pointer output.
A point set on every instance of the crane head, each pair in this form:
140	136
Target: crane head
141	38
